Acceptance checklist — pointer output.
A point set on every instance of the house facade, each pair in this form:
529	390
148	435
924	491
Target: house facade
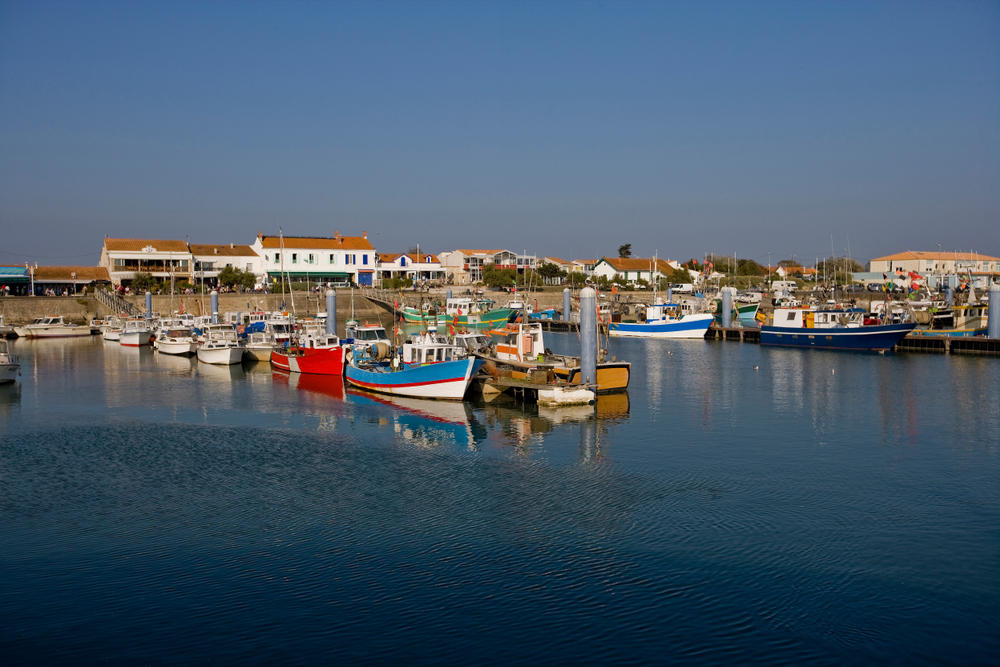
336	259
209	259
929	262
416	267
126	258
465	266
631	269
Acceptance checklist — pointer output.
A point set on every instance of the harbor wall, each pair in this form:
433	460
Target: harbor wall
80	309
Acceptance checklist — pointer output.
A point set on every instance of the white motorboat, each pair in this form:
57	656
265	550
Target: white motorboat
52	327
10	368
221	346
179	341
135	333
5	329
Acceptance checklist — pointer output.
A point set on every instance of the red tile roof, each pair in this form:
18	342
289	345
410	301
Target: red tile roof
318	243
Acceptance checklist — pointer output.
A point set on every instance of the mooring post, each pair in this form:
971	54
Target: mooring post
588	336
727	307
993	325
565	304
149	305
214	300
331	312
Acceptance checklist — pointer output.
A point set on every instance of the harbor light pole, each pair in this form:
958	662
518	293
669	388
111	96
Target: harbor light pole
31	274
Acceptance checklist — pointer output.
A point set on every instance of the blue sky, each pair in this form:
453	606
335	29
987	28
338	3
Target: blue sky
765	128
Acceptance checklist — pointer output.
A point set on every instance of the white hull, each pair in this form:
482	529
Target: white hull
222	356
52	332
111	334
259	353
134	338
8	372
177	347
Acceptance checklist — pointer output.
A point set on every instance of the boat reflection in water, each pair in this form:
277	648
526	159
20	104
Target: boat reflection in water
425	423
316	389
221	373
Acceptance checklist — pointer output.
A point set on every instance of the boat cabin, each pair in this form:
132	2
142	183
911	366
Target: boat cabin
818	319
431	353
520	341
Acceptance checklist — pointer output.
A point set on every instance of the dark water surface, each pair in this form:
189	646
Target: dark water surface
826	507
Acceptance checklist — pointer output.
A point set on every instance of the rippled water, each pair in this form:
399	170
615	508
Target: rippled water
740	504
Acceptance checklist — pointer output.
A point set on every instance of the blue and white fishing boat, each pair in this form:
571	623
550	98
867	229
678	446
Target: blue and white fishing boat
831	329
664	320
425	367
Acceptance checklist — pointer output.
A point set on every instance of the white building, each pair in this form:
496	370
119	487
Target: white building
416	267
210	259
632	269
125	258
337	259
928	262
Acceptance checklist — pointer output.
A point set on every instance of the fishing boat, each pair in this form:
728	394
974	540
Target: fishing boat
460	311
314	351
136	332
221	346
832	328
10	367
52	327
663	320
519	351
424	368
744	314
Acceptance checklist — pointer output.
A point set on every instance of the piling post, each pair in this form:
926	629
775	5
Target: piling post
149	305
670	295
588	336
566	304
949	296
727	307
993	325
331	312
214	299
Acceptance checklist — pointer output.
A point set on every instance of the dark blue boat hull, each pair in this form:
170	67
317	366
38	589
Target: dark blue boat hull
871	338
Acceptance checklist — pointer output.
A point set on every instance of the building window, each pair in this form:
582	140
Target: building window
295	258
364	259
312	259
331	258
277	258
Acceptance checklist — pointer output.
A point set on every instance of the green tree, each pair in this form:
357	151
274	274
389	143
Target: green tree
576	279
230	277
625	250
550	270
499	277
144	282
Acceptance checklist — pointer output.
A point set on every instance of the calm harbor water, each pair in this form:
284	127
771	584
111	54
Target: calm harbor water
740	504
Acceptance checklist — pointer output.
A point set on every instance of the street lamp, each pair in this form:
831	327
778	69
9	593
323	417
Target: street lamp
31	274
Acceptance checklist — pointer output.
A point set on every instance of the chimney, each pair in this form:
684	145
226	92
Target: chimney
364	234
336	233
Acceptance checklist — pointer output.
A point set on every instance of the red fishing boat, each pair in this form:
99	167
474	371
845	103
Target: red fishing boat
314	352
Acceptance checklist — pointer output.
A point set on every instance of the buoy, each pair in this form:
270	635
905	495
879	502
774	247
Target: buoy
756	367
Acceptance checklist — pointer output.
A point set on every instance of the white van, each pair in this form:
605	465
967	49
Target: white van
784	286
682	288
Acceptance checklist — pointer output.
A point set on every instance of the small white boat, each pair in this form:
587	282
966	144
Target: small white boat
178	341
52	327
221	346
5	329
10	368
135	333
